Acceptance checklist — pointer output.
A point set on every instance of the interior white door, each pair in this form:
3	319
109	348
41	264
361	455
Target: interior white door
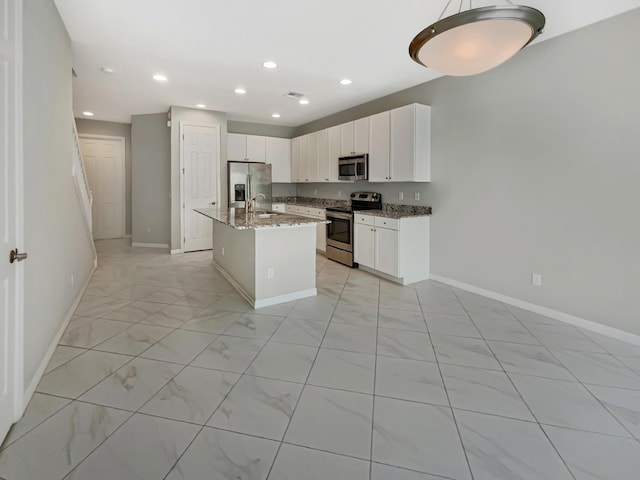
201	183
104	163
10	213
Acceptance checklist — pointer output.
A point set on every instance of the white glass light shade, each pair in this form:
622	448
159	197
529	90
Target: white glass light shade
477	40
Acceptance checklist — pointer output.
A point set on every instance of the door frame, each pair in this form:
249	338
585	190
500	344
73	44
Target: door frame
15	330
121	140
183	124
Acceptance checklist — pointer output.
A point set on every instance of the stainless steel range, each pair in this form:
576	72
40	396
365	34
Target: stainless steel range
340	228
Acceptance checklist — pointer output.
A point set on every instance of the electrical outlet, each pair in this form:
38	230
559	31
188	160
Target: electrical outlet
270	273
401	196
73	280
148	229
339	193
223	251
536	279
315	192
416	196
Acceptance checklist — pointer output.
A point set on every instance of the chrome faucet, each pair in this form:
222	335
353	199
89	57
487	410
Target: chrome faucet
250	204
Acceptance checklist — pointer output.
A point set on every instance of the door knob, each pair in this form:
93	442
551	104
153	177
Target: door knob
16	256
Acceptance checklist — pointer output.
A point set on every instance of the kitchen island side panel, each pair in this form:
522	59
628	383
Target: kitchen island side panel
234	251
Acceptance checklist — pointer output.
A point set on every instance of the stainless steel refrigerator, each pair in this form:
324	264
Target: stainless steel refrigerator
247	180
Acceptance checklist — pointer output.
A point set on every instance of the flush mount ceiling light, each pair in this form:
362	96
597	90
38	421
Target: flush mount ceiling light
240	91
477	39
303	101
269	64
275	115
160	77
345	81
201	105
108	70
88	114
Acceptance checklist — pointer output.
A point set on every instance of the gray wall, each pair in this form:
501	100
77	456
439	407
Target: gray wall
114	129
202	117
55	235
249	128
151	179
535	169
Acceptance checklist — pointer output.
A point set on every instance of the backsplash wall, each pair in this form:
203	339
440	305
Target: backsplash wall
390	191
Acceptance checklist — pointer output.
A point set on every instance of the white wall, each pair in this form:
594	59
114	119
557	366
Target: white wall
535	168
55	236
151	179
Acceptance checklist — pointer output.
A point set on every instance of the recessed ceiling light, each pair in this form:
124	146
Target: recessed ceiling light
88	114
269	64
108	70
160	77
275	115
201	105
304	101
345	81
240	91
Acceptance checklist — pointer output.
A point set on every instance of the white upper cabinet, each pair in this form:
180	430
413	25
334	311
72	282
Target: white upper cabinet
278	154
236	147
295	159
256	148
398	143
246	148
334	152
324	162
410	144
354	137
379	147
361	135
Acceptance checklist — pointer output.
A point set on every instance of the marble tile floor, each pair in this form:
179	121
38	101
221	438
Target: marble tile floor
166	373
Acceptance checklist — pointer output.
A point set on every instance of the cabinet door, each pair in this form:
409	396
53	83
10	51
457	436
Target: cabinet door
334	152
387	253
363	245
361	135
236	147
256	150
278	154
304	158
312	168
347	146
402	154
379	147
295	159
323	156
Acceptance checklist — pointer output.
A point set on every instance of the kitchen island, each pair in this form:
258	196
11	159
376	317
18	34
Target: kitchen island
268	258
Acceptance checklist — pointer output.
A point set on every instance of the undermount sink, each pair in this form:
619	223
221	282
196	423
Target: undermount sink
267	214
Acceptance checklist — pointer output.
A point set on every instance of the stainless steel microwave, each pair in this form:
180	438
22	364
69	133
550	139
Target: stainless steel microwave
353	167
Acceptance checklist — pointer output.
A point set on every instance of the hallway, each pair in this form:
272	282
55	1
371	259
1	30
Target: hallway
165	372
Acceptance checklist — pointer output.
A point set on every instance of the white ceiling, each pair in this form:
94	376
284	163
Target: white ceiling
207	48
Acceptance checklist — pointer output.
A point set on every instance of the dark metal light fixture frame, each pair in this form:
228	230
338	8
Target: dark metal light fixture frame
531	16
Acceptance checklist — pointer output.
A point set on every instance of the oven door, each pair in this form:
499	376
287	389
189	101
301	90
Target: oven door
340	230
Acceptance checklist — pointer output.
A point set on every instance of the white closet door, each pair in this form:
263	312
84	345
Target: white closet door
201	163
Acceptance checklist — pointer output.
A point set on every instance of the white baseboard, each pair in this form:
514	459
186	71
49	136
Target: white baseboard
547	312
176	251
31	388
150	245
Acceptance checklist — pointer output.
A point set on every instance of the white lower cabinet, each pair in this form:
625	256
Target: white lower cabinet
397	249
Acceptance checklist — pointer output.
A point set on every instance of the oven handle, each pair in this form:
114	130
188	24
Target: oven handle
344	216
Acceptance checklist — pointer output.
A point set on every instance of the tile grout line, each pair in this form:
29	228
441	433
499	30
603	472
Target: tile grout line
446	391
518	391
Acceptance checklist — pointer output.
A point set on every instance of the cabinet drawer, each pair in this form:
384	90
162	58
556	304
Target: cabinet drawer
364	219
315	212
278	207
391	223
